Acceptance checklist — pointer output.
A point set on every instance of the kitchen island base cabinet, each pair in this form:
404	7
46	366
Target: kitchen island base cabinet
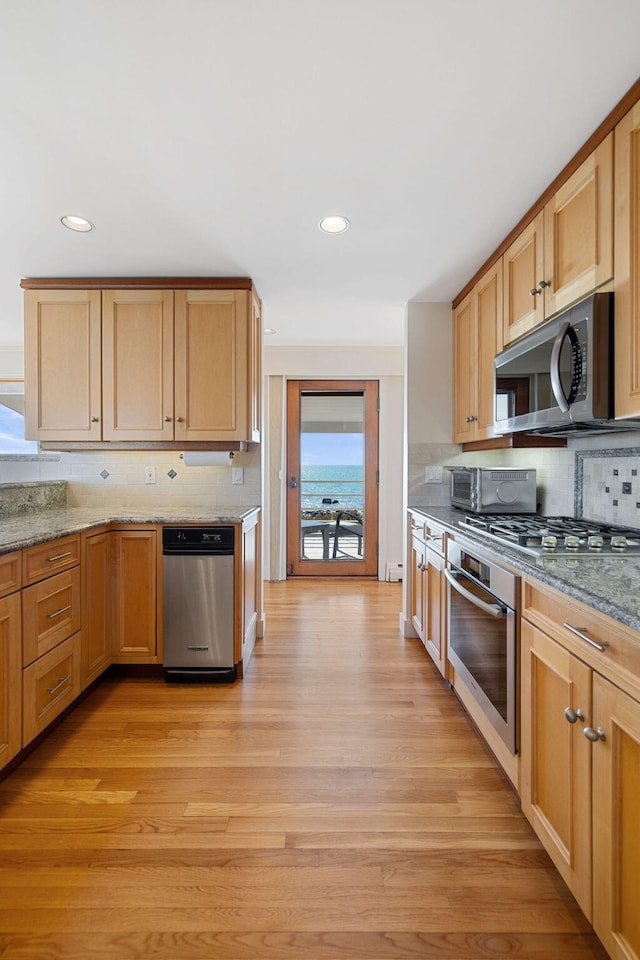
426	589
10	678
135	596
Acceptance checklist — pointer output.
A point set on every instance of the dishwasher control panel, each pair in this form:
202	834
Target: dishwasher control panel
205	540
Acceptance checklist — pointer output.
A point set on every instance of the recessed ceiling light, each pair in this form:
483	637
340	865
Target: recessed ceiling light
269	331
79	224
334	224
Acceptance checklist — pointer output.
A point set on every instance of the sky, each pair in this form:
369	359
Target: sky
331	449
12	433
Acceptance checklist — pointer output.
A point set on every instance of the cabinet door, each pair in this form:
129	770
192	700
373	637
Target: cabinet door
212	365
616	824
578	232
62	365
137	364
627	264
556	757
10	678
135	591
435	609
417	586
97	616
464	372
523	269
255	382
250	585
487	295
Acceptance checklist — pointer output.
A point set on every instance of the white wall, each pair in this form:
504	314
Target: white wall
385	364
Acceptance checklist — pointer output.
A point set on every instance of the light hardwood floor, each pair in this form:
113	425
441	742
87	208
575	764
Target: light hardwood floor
335	805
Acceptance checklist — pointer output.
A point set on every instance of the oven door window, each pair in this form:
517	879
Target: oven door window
481	645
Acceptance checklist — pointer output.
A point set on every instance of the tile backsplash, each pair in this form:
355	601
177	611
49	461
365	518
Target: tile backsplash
117	480
608	485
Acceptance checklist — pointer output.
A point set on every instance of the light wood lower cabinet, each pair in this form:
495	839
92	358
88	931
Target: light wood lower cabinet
10	678
97	606
616	820
49	685
50	613
556	757
248	570
135	596
580	739
426	593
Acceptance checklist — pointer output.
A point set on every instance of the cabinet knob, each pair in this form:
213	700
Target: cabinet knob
167	419
94	419
534	292
544	283
594	735
573	715
179	419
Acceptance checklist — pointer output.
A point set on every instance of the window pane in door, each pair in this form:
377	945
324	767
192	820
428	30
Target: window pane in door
332	476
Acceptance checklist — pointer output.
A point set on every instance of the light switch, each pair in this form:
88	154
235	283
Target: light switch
149	474
237	475
433	474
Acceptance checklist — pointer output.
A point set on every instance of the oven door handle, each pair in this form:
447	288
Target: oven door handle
493	609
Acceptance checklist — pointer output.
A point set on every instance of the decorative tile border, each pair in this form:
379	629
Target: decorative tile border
605	501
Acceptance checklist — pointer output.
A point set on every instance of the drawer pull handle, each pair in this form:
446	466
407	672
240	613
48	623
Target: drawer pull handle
52	616
60	683
59	556
587	639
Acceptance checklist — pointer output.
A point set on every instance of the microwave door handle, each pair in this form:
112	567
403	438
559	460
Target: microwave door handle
493	609
556	383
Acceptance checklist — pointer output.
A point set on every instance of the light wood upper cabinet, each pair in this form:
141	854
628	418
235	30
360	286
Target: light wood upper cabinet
62	365
137	364
627	265
143	363
578	232
523	269
212	373
477	323
566	251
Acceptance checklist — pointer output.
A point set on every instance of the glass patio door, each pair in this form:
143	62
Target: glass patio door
332	480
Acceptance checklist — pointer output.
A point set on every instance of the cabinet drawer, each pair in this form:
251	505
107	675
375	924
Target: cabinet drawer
552	611
47	558
49	685
10	572
50	613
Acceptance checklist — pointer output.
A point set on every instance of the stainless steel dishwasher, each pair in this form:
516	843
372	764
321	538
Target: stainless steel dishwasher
197	603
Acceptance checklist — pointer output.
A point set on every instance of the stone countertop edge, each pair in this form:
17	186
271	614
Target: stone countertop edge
16	533
623	607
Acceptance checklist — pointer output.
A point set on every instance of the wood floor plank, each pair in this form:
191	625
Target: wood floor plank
336	804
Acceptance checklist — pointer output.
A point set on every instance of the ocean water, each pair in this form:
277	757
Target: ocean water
343	484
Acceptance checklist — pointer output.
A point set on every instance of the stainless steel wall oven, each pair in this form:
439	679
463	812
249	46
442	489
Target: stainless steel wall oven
482	608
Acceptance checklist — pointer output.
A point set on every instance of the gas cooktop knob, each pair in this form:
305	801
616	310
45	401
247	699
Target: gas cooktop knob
595	541
548	541
618	543
571	541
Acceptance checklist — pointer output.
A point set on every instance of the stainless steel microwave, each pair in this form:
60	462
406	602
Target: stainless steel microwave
493	489
558	380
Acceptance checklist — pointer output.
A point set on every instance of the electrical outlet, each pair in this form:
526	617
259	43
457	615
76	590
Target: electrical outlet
237	475
149	474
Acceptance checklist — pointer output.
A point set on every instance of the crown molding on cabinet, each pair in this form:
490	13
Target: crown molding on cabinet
136	283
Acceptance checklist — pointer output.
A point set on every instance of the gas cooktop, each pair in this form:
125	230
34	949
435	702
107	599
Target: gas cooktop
555	536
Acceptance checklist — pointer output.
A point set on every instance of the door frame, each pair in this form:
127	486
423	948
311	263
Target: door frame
368	566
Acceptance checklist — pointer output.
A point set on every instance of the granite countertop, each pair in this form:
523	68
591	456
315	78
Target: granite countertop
607	583
25	531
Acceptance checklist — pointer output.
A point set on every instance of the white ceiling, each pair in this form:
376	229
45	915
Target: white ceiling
207	137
